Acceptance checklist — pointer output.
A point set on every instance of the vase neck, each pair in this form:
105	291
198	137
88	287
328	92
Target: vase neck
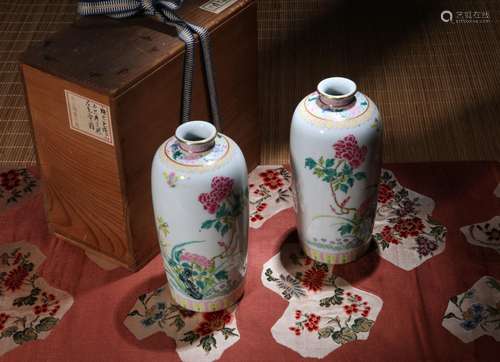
196	136
337	92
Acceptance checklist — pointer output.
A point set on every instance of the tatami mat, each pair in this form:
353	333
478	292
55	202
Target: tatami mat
437	84
22	23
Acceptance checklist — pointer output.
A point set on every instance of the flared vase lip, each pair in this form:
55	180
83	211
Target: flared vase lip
343	87
196	136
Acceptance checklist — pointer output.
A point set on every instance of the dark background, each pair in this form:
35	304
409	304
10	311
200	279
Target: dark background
437	84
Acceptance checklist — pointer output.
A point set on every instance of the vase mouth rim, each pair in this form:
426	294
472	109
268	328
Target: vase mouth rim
337	88
196	136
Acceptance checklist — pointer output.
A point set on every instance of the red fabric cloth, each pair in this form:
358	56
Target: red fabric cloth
408	327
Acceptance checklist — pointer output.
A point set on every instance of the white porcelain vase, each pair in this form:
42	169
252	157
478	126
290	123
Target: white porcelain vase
335	147
200	200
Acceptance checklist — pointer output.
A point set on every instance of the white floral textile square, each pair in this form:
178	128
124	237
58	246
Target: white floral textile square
317	326
294	276
29	307
324	311
198	336
405	233
475	312
16	186
486	234
270	191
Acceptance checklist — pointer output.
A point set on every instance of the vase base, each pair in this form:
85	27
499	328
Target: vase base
335	258
210	305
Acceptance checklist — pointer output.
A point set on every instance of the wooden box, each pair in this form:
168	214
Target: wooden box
103	94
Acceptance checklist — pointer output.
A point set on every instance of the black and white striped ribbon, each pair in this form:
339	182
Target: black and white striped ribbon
165	12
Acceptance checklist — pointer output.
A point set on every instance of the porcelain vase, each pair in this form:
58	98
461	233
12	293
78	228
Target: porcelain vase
200	200
335	147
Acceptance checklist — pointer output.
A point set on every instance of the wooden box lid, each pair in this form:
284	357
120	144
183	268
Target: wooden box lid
109	55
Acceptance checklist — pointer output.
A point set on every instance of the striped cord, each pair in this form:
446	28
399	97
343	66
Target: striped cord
165	12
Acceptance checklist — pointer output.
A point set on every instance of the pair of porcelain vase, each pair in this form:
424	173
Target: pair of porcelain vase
200	194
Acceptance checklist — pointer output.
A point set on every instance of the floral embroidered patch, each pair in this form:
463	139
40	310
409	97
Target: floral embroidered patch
315	328
476	312
294	276
324	311
269	193
486	234
404	230
16	185
199	336
29	308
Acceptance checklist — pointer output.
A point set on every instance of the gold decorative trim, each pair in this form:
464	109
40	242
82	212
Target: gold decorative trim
196	168
348	123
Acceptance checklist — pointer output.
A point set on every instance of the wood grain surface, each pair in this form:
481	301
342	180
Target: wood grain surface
83	191
105	205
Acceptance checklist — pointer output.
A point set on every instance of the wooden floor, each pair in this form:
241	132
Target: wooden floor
437	84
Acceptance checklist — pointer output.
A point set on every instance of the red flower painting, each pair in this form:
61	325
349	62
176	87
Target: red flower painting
213	321
272	179
387	235
309	322
10	179
221	188
409	227
349	150
15	278
385	194
313	279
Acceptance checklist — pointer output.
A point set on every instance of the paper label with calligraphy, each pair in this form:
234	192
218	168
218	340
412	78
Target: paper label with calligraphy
217	6
89	117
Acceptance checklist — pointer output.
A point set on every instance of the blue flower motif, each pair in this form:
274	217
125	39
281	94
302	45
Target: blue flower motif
148	322
477	308
474	315
468	325
479	312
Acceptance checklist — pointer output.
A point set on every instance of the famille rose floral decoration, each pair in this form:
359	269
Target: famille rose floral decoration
476	312
404	230
335	147
31	309
269	193
198	336
172	178
486	234
14	185
196	275
200	200
340	172
324	311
